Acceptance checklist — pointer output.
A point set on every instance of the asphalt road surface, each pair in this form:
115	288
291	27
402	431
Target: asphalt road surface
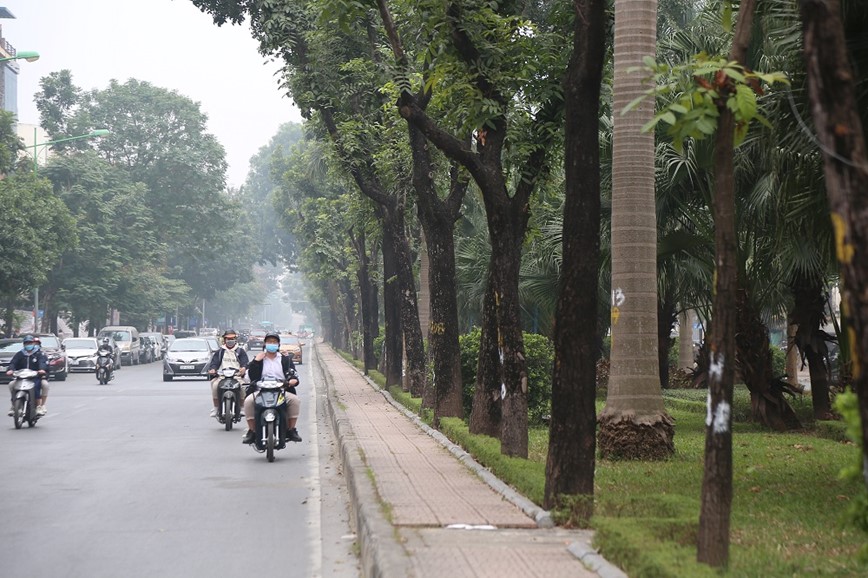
133	479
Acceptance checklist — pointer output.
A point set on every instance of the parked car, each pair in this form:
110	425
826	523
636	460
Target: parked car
8	349
187	357
58	368
146	349
127	338
291	345
81	353
160	343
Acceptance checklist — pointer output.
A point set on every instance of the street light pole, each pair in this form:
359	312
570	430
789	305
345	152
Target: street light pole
35	146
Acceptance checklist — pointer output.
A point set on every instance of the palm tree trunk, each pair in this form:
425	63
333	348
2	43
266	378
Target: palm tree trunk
634	423
685	340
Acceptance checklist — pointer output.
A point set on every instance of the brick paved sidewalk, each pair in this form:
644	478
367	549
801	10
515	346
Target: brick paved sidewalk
407	489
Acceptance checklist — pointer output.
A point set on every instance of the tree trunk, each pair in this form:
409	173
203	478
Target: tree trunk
716	498
438	278
504	269
808	316
9	316
394	233
793	361
685	340
666	317
393	351
572	431
486	414
634	424
832	91
754	356
367	298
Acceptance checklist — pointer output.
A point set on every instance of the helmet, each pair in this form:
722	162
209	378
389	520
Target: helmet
229	332
273	334
105	340
28	339
36	339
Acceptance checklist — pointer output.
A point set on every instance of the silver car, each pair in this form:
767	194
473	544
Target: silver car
187	357
81	353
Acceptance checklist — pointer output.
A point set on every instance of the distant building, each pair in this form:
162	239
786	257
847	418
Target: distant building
8	70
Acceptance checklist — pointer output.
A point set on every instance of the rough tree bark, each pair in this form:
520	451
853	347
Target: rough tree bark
438	219
393	349
367	299
572	431
716	506
832	90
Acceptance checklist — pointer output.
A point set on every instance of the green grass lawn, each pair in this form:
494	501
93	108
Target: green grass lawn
788	507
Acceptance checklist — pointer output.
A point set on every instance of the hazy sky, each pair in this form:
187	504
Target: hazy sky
168	43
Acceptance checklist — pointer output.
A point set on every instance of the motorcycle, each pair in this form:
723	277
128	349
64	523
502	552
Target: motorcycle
23	398
270	419
104	366
229	389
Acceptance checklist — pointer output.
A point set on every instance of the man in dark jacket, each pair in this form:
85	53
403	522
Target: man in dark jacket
30	357
271	365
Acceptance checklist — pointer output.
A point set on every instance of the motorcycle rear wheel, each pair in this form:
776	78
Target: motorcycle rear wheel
18	413
269	441
228	414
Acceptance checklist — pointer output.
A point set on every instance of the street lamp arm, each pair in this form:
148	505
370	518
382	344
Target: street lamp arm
35	146
27	55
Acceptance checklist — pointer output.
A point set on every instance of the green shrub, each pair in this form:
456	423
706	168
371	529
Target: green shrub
539	352
779	361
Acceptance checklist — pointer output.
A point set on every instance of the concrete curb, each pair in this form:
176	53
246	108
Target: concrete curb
381	553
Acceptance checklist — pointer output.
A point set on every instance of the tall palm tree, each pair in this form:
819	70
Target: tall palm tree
634	423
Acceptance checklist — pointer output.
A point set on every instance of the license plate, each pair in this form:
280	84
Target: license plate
186	367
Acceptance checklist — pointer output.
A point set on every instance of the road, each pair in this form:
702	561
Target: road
133	479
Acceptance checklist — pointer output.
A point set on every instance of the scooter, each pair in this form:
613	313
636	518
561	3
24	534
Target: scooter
24	398
229	389
104	366
269	431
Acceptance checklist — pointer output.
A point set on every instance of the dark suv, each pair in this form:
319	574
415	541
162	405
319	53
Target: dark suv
58	367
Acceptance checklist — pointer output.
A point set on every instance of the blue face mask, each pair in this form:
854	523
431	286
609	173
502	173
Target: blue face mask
271	347
29	347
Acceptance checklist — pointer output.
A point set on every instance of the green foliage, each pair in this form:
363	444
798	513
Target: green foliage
11	145
848	406
698	89
539	353
37	228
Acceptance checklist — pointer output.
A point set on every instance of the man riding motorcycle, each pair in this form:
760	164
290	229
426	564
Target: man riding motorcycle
271	365
229	355
30	357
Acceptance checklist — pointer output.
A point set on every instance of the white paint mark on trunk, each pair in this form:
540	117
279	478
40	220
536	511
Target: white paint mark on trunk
715	367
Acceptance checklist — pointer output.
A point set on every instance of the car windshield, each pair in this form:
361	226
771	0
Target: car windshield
49	341
80	343
10	345
189	345
259	334
288	340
